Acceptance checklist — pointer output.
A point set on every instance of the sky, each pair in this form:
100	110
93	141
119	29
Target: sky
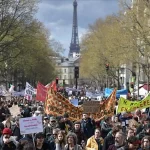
57	16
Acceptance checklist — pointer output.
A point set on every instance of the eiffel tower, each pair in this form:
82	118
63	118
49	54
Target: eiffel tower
74	45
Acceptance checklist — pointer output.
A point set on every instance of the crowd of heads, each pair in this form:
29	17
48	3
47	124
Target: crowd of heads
125	131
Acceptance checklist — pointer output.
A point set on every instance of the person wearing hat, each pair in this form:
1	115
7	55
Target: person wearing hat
49	125
65	124
16	129
87	126
133	143
40	143
77	130
7	142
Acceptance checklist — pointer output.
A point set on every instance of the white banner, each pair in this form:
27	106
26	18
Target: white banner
29	91
31	125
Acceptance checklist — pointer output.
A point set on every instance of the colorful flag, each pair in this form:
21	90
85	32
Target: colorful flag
53	85
41	92
125	105
107	108
56	105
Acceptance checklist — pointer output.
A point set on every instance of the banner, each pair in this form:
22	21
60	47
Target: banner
41	92
125	105
31	125
106	108
108	91
91	106
57	105
29	91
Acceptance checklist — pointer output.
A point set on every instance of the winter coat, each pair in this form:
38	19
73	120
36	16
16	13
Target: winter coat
105	129
87	127
92	144
12	145
109	140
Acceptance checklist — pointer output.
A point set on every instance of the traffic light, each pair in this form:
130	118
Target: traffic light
107	67
63	82
76	72
56	80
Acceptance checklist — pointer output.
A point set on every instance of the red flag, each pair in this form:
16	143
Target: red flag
53	85
41	92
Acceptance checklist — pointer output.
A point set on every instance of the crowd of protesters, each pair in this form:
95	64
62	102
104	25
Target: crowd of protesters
60	133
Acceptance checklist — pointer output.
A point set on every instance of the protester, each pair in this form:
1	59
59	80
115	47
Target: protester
145	143
16	129
60	141
40	143
77	130
87	126
72	142
119	142
7	142
132	143
106	126
95	141
110	139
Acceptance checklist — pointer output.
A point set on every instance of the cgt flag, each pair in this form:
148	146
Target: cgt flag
41	92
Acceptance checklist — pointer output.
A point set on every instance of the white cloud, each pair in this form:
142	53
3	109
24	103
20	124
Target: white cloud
57	16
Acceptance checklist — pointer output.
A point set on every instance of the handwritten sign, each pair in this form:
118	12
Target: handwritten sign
31	125
91	106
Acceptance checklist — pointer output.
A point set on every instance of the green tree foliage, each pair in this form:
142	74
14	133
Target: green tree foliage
117	40
25	48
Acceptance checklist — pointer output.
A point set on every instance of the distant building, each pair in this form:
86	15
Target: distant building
65	68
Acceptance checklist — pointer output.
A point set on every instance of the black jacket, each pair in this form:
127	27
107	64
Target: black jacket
9	146
109	140
88	128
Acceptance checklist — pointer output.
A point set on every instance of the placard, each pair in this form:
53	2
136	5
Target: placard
91	106
29	91
31	125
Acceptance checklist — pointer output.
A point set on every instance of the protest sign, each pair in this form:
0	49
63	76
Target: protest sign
31	125
74	102
91	106
29	91
129	106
